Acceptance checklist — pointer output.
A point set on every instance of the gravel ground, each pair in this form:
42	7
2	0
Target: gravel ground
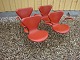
14	44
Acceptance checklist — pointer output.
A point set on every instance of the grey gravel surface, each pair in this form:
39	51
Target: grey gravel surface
14	44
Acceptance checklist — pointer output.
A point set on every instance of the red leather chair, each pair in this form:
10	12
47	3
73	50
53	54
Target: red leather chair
55	18
32	24
44	10
22	13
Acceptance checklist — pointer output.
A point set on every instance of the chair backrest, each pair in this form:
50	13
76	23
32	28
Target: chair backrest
44	10
24	12
31	22
55	16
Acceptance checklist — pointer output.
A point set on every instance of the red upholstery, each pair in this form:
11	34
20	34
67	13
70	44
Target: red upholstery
55	18
32	24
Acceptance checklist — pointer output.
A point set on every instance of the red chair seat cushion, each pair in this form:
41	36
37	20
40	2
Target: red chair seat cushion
61	28
38	36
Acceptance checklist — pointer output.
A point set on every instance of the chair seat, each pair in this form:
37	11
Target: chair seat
61	28
38	36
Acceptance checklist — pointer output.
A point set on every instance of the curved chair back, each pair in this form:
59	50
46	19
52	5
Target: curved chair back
24	12
31	22
44	10
55	16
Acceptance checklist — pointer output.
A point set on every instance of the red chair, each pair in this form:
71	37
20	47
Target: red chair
55	18
32	24
22	13
44	10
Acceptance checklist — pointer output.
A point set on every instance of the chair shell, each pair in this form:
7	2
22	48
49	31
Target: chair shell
32	24
56	26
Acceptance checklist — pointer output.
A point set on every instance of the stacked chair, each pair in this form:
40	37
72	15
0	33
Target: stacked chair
30	23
